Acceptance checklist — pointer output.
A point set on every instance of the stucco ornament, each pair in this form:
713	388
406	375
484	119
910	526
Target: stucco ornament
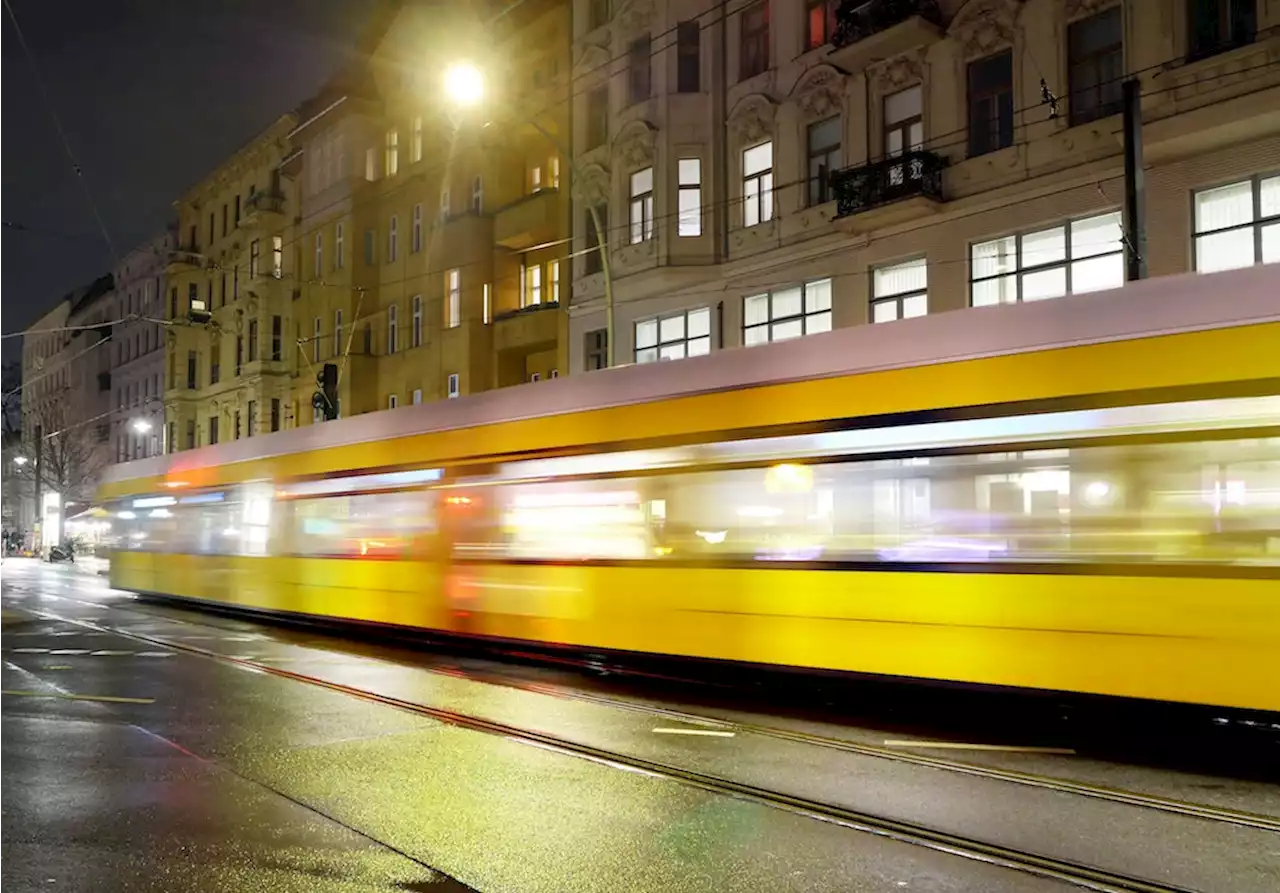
634	17
984	26
752	119
592	188
591	58
899	72
1079	9
820	92
634	146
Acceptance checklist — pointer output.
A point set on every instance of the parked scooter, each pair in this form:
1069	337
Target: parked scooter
61	553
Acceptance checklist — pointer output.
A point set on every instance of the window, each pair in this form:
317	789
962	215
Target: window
315	340
642	205
455	385
639	69
393	328
599	13
535	178
417	396
192	362
787	313
753	45
371	164
277	256
415	244
824	157
255	258
991	103
688	57
370	247
899	291
173	302
488	304
674	337
253	417
215	367
535	377
239	354
1238	225
534	280
222	291
597	117
757	184
415	337
213	430
236	212
253	340
277	338
903	121
689	196
392	401
593	262
393	152
212	233
477	195
1217	25
1095	49
225	217
393	239
1078	256
338	258
338	347
819	22
275	414
453	298
553	274
171	437
191	434
415	149
318	267
554	168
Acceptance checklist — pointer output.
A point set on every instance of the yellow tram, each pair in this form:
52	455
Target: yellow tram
1076	495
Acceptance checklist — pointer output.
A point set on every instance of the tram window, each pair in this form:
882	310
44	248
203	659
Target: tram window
365	525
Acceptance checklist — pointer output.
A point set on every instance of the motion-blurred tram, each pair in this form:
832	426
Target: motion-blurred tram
1079	495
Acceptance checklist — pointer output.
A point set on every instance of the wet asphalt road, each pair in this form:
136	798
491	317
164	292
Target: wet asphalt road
130	765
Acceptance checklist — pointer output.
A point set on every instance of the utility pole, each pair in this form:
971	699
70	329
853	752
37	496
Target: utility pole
39	519
1135	184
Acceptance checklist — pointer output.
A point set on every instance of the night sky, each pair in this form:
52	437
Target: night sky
153	94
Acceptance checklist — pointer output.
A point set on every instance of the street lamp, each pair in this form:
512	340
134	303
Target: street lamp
142	426
20	460
464	87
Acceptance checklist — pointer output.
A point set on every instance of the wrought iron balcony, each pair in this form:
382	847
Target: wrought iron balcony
859	19
912	174
262	208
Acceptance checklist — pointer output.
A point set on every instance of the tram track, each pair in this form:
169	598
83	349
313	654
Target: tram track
1202	811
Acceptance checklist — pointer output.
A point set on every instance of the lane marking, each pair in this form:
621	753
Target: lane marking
713	733
111	699
57	667
70	651
154	654
958	745
29	650
110	653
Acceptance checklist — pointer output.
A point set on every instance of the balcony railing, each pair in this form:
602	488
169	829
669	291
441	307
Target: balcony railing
859	19
911	174
266	201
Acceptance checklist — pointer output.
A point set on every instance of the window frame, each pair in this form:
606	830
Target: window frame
819	190
393	239
415	240
1067	261
688	220
1103	107
805	316
477	194
753	40
453	298
640	69
640	207
318	267
899	298
689	57
392	161
993	127
415	337
827	20
684	340
1256	222
596	130
454	385
763	197
338	245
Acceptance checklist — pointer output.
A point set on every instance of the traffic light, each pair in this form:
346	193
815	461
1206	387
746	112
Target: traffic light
326	399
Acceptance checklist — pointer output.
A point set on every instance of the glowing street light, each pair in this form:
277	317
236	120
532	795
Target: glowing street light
464	84
142	426
20	460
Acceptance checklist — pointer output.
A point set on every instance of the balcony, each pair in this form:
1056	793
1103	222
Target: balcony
263	210
183	260
889	191
527	330
530	221
881	29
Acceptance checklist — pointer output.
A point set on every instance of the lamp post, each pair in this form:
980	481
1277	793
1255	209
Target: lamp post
142	426
464	87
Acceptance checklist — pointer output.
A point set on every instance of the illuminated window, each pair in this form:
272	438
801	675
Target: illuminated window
689	197
1078	256
899	291
553	274
416	337
819	22
393	328
455	385
371	164
277	256
554	171
477	195
1238	225
534	280
416	238
488	303
393	239
642	205
393	152
453	298
417	396
787	313
674	336
757	184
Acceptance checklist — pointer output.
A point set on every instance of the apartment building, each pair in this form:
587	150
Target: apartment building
768	169
231	281
137	350
433	235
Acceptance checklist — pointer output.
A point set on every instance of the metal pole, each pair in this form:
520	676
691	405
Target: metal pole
39	519
602	239
1135	186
